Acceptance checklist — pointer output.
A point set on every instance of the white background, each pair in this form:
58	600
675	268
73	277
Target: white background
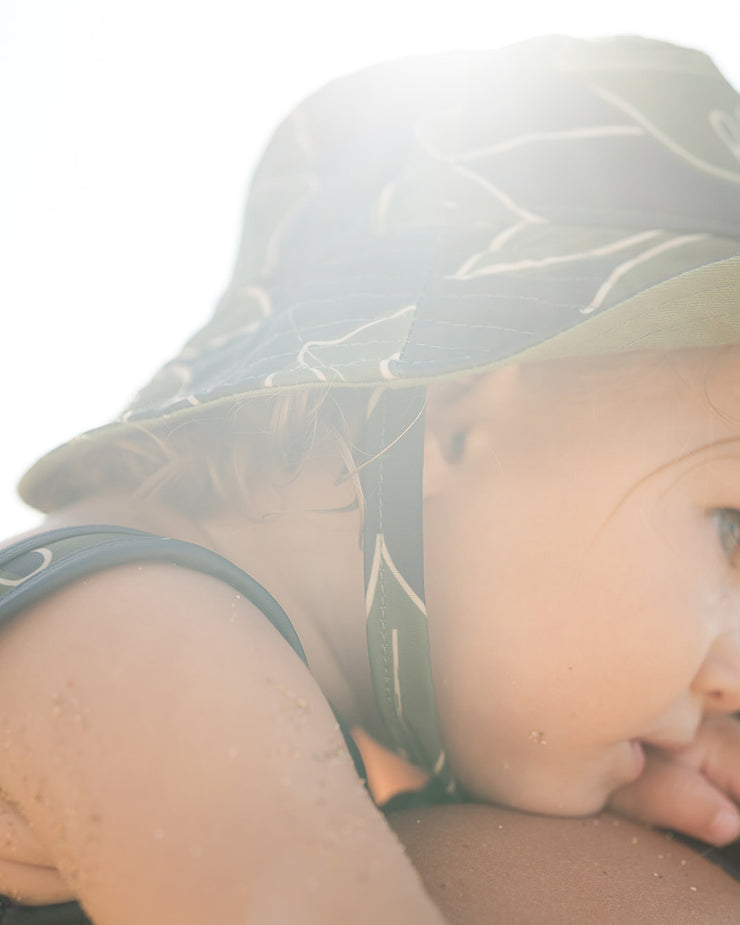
128	129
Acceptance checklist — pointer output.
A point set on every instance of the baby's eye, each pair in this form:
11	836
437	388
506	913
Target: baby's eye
727	520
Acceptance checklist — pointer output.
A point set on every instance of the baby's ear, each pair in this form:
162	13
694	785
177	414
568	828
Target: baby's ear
459	415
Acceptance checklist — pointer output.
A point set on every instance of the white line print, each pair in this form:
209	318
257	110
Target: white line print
531	263
384	366
397	702
440	762
457	160
618	272
520	141
372	403
382	206
727	127
183	375
257	294
306	348
380	556
381	552
46	555
275	240
498	242
190	354
732	175
504	198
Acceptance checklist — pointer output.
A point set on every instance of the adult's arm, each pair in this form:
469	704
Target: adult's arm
484	864
175	762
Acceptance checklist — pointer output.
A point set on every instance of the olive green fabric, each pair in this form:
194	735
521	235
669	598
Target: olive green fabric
391	462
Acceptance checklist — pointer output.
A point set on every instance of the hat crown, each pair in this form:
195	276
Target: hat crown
623	132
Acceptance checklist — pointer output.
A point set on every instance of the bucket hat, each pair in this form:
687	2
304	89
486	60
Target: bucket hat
440	215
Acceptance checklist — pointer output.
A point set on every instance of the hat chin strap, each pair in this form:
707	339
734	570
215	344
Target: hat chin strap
397	632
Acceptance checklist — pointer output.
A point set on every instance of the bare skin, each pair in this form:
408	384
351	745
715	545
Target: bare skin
534	869
484	864
169	757
583	587
148	809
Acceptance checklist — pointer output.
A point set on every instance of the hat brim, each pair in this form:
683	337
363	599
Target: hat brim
699	307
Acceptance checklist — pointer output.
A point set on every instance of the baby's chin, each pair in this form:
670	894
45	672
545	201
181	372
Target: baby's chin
566	800
580	787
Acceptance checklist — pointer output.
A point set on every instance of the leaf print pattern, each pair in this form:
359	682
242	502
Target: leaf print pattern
387	233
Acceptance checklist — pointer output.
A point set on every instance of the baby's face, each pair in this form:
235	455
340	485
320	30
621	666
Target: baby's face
582	561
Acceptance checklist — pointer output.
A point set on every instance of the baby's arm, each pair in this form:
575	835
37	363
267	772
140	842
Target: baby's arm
694	789
179	764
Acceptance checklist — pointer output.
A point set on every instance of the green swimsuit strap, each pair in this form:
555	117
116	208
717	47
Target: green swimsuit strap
397	634
35	567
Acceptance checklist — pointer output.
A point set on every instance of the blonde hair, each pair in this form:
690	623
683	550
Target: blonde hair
203	463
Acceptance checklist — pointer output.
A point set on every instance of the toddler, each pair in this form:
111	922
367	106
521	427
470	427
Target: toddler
496	289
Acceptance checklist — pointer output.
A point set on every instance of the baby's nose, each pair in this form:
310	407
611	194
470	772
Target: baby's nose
718	680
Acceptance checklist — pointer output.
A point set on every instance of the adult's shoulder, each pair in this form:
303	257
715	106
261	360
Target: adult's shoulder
179	763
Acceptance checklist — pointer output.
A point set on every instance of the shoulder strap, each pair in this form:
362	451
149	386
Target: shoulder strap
57	914
35	567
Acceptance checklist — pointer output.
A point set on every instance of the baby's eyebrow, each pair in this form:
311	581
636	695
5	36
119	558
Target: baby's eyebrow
697	451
